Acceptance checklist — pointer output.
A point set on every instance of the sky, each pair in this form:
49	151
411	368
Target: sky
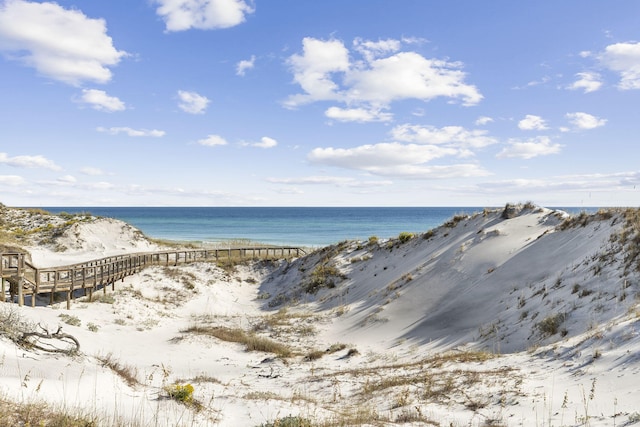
319	103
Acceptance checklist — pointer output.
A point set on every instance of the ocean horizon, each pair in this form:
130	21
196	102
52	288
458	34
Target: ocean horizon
290	226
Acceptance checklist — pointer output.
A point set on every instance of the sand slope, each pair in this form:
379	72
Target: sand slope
500	318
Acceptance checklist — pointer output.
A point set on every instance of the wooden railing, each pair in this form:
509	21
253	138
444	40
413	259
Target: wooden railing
26	279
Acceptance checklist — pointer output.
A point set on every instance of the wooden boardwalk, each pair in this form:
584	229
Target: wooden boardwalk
27	280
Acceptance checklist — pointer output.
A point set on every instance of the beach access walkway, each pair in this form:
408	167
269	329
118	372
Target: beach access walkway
26	280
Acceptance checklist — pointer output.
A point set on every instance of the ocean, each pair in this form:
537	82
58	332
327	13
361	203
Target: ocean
291	226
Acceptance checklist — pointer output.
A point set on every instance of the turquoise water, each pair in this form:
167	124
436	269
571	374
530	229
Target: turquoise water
296	226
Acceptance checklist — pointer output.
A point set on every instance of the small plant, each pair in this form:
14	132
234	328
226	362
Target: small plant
70	320
454	221
336	347
323	277
551	325
126	372
289	421
264	295
405	236
314	355
373	240
92	327
181	393
107	299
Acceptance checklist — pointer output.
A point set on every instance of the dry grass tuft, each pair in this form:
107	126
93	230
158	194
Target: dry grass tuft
236	335
126	372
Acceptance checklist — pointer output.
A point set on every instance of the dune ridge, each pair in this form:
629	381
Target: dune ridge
516	316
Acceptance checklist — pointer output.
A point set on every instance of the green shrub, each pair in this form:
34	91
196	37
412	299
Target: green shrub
289	421
373	240
181	393
550	325
70	320
323	276
405	236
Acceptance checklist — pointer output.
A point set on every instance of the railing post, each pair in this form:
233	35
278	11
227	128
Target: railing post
20	291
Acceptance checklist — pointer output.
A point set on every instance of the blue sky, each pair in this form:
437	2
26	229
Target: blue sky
319	103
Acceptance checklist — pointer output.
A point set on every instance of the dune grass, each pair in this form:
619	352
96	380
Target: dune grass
251	341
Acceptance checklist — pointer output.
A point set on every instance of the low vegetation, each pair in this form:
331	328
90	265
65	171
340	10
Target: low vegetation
251	341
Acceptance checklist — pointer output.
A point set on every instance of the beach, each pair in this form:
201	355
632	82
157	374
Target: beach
518	316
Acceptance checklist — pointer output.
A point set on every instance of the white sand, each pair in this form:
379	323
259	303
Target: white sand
484	284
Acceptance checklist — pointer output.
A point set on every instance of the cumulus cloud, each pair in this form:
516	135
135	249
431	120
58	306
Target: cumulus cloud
585	120
452	136
29	162
587	81
531	122
213	141
180	15
338	181
372	157
371	50
314	68
12	180
244	65
91	171
623	58
359	115
483	120
325	72
528	149
560	183
192	102
99	100
61	44
67	179
265	142
411	153
132	132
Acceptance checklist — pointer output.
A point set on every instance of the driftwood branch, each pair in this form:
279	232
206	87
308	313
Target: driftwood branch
72	344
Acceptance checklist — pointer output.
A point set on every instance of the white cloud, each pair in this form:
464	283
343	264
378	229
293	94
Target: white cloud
596	182
92	171
453	136
12	180
30	162
531	122
483	120
61	44
180	15
360	115
338	181
325	72
587	81
372	157
192	102
463	170
585	121
213	141
265	142
371	50
244	65
408	75
414	147
132	132
539	146
67	179
623	58
99	100
313	69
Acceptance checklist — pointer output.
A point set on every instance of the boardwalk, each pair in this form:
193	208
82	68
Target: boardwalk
27	280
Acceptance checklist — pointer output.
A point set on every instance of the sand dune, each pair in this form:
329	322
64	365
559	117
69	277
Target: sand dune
507	317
